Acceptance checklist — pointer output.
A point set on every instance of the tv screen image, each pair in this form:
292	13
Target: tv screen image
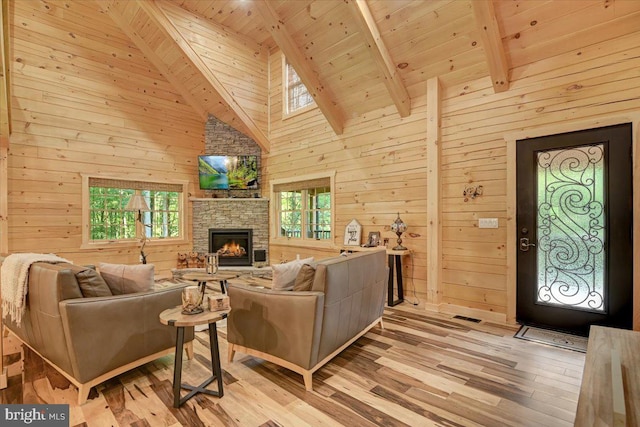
228	172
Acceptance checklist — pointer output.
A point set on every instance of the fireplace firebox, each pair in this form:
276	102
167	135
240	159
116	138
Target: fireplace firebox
233	246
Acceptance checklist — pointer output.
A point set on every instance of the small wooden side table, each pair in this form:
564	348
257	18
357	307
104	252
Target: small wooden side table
174	317
394	262
204	278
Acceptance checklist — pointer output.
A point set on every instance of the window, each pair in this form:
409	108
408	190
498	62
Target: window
297	95
108	221
303	209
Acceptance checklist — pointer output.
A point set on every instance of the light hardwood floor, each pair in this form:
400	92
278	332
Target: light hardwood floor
422	369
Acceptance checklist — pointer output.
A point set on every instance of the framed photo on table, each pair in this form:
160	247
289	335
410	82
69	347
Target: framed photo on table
373	239
352	233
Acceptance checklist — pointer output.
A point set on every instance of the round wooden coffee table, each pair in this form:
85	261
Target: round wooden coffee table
174	317
204	278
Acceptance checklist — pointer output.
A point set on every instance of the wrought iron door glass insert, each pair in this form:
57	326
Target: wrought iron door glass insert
571	228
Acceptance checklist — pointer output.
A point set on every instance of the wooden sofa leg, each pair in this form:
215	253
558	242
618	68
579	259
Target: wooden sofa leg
231	353
83	393
308	380
381	324
189	349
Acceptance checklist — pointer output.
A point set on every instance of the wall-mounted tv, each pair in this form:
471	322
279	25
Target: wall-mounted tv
228	172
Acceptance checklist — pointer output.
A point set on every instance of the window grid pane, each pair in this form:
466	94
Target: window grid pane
163	219
290	214
108	220
297	94
319	213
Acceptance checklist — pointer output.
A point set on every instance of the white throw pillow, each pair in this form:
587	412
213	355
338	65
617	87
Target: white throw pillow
127	279
284	275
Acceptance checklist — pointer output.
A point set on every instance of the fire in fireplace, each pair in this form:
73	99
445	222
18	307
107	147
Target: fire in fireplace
233	246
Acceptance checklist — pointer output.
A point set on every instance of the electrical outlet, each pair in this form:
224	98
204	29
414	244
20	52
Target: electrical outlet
487	222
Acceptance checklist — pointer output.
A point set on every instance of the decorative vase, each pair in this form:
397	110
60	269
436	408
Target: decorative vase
192	300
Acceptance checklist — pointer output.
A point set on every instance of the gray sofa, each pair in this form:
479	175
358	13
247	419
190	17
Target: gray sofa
304	330
89	340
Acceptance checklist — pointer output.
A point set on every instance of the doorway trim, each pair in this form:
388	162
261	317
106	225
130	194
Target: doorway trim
552	129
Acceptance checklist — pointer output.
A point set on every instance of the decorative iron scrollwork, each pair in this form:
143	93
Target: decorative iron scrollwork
571	231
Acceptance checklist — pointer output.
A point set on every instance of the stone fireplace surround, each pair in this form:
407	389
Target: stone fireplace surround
231	213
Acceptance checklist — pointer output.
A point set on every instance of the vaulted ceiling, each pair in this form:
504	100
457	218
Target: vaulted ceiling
354	56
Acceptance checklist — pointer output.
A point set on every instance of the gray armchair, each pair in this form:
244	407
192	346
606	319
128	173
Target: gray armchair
302	331
89	340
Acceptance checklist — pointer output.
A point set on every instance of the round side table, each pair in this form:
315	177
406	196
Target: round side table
204	278
174	317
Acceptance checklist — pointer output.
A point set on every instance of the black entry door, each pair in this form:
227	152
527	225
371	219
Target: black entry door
574	219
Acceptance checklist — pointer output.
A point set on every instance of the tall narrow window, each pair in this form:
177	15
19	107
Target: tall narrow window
298	97
303	209
109	220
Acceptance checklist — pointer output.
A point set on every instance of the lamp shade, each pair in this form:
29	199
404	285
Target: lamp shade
137	203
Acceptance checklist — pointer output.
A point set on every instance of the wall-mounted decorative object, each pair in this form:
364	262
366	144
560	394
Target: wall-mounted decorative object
373	239
352	233
398	226
471	192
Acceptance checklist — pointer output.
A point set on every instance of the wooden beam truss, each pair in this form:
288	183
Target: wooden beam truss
492	42
382	58
316	88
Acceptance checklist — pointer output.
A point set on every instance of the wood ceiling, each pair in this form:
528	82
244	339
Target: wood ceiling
356	56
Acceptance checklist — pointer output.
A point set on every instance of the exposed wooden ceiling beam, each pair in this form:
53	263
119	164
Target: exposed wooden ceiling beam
5	77
316	88
492	41
381	56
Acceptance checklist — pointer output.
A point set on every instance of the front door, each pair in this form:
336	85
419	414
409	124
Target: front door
574	220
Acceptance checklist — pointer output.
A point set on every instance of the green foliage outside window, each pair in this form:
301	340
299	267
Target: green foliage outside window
290	213
308	210
108	219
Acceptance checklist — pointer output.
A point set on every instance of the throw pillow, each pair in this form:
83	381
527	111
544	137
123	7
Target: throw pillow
92	284
304	279
127	279
284	275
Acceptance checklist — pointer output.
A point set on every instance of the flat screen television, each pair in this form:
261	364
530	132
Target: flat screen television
228	172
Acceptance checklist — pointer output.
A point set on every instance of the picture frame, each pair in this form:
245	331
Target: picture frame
352	233
373	239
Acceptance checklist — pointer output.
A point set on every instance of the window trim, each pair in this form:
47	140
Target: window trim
286	114
274	236
88	244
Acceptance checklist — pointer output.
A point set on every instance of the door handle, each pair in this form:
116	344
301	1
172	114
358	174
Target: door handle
524	244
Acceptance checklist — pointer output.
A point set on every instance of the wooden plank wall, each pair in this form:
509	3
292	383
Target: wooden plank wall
87	101
226	53
600	80
382	167
381	171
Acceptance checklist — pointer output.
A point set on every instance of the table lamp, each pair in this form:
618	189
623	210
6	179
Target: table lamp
138	203
398	226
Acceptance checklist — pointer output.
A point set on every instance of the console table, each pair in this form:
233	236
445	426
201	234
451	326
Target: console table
174	317
395	263
599	394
